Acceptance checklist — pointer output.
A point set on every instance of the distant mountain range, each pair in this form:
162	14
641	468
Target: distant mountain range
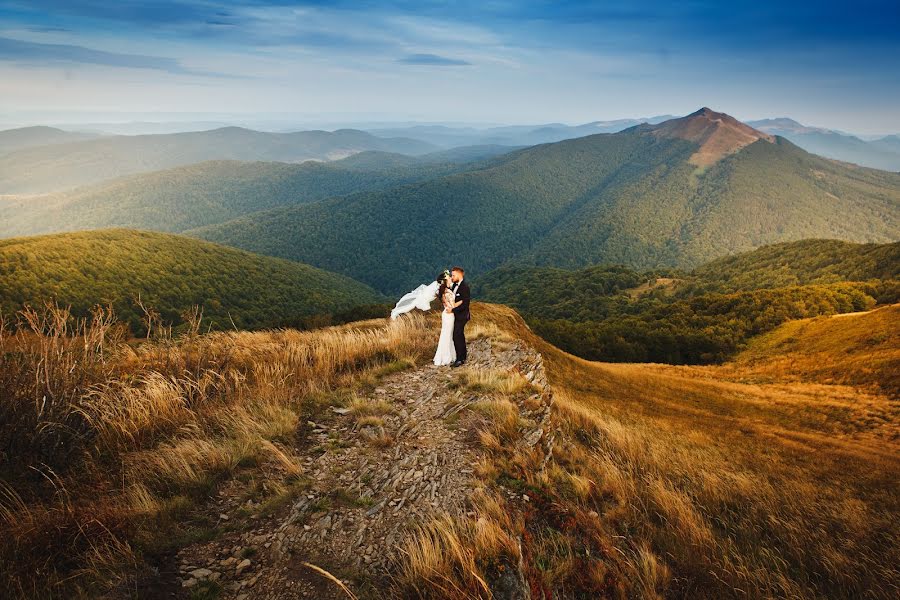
679	193
60	166
36	160
512	135
169	274
881	153
212	192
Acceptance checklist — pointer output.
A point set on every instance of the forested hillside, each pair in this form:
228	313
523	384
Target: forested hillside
169	274
799	263
705	316
642	198
206	193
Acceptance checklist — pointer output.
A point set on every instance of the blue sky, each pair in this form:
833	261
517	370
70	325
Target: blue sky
824	63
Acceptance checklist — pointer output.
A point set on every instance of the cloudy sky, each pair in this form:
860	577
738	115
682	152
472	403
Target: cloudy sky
824	63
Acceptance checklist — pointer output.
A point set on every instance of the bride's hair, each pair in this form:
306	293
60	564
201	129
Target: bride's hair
442	279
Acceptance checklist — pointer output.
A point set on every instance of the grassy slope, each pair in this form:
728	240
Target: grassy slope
746	489
854	349
625	198
110	453
170	273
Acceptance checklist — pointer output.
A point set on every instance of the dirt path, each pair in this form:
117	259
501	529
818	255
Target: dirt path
368	490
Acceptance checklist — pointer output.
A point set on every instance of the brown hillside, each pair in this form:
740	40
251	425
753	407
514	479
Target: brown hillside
718	134
860	349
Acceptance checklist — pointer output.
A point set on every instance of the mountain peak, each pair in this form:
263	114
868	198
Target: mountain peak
718	134
705	111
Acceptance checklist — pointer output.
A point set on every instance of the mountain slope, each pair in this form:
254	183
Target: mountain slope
856	349
632	198
716	134
62	166
170	274
26	137
201	194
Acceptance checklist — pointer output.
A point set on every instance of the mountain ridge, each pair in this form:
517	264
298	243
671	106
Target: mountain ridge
38	135
877	154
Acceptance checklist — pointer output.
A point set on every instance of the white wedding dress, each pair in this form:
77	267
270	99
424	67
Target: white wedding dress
446	351
421	298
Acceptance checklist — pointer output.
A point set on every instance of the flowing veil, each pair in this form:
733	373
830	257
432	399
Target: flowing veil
420	298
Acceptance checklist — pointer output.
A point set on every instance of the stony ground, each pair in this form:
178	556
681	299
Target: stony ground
364	488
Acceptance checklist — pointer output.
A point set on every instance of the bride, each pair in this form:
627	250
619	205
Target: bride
421	298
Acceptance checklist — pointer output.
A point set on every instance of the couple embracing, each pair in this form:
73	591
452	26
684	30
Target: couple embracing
453	292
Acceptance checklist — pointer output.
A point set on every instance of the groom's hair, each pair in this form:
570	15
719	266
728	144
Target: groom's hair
460	269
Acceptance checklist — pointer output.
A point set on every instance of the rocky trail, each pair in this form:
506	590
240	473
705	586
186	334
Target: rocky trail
367	484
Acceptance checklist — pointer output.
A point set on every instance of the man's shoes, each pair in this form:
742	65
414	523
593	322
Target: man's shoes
458	363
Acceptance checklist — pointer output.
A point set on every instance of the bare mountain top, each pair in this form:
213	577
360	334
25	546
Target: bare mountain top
717	133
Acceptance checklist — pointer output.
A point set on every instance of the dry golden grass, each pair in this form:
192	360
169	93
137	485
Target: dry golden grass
491	381
772	476
858	349
454	558
715	482
102	438
360	408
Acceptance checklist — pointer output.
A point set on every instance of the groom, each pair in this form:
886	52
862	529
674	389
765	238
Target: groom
461	313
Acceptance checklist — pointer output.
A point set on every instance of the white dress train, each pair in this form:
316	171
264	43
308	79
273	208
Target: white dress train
421	298
446	351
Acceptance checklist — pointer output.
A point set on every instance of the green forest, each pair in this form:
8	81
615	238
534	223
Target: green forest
169	274
701	317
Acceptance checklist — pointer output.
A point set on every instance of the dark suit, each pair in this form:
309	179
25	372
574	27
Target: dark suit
462	316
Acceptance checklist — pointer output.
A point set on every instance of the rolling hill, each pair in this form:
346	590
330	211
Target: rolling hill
677	194
57	167
27	137
861	349
191	196
170	274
